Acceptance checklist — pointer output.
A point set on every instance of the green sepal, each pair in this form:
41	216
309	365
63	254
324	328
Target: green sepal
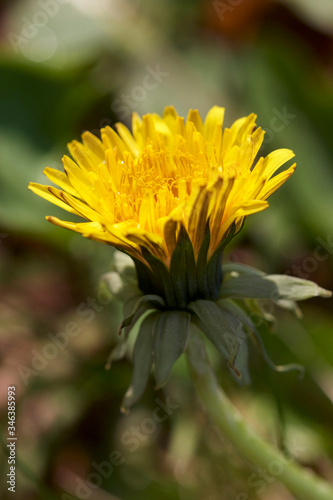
183	270
214	273
221	328
259	306
202	264
161	279
292	288
119	350
246	320
191	273
229	307
178	274
275	287
214	267
243	364
257	309
116	354
142	361
129	304
143	309
146	279
170	341
126	322
290	305
235	267
150	299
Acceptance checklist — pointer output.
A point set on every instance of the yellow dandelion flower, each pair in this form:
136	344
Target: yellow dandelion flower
168	181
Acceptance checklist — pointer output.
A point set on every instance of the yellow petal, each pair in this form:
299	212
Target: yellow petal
137	129
276	159
79	180
46	193
170	117
112	140
153	243
137	190
223	187
61	179
195	118
242	210
275	182
81	208
198	217
94	144
170	234
238	131
82	156
214	118
128	139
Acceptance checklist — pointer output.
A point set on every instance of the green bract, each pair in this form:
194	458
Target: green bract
221	300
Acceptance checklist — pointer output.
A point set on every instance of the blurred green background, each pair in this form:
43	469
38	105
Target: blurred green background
72	65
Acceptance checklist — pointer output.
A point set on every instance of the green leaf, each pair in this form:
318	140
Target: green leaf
142	361
272	286
170	340
221	328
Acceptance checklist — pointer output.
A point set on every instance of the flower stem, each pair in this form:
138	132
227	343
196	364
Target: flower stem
302	483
